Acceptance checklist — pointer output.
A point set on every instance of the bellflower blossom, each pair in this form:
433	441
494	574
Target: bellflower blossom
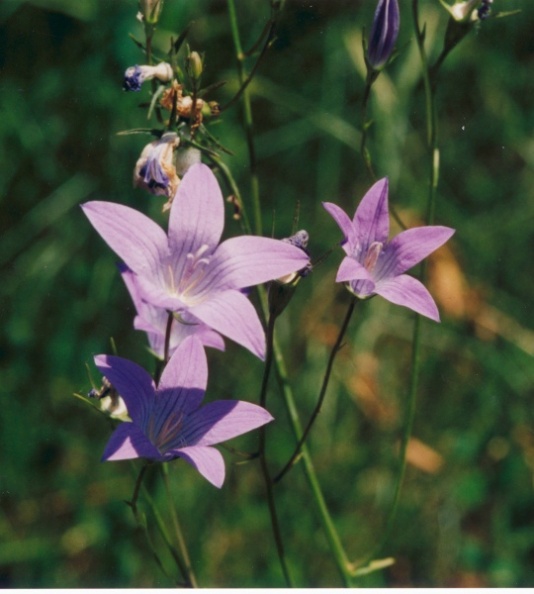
168	421
384	32
153	320
155	170
375	265
187	270
135	76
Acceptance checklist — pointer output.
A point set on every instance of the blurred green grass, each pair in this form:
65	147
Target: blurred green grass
466	520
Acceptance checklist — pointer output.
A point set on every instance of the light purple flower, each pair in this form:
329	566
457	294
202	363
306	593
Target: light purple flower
153	320
375	266
135	76
384	32
168	421
187	270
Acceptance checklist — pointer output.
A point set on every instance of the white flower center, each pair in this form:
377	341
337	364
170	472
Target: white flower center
192	274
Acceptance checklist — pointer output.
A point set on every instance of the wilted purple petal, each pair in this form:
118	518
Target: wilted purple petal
208	461
128	441
224	419
232	314
132	382
408	291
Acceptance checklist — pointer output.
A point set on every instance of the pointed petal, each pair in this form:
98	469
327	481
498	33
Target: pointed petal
247	261
208	461
221	420
135	238
197	212
128	442
132	382
183	381
408	291
350	269
232	314
410	247
371	219
344	223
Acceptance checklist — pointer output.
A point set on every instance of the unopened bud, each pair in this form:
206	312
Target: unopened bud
150	10
194	66
384	32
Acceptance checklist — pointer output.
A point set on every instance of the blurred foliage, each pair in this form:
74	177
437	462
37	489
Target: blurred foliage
466	516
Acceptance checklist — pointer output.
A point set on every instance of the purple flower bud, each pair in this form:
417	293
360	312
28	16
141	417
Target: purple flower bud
383	33
135	76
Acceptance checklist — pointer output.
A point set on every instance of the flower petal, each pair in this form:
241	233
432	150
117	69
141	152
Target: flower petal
127	442
351	269
208	461
184	380
132	382
197	212
408	291
135	238
247	261
232	314
344	223
410	247
222	420
371	220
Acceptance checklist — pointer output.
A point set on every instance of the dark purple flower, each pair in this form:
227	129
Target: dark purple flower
187	270
384	33
375	265
168	421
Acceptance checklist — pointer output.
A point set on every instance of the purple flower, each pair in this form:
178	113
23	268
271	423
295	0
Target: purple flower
384	33
168	421
375	266
187	271
153	320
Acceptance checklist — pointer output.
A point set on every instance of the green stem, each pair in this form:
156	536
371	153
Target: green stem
180	541
322	393
247	115
433	155
263	458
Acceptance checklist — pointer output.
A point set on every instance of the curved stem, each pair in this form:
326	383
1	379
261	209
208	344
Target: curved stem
180	541
263	457
322	393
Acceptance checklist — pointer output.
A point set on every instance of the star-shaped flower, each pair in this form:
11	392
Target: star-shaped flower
168	421
373	264
153	320
187	270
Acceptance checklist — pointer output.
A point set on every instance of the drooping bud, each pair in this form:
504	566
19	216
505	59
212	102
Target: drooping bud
135	76
468	11
281	290
384	32
155	170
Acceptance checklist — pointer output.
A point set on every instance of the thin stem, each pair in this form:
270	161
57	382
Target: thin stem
138	483
433	154
247	115
335	349
180	541
168	329
165	535
263	457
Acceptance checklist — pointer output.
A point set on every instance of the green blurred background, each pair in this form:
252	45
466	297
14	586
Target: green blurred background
466	516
